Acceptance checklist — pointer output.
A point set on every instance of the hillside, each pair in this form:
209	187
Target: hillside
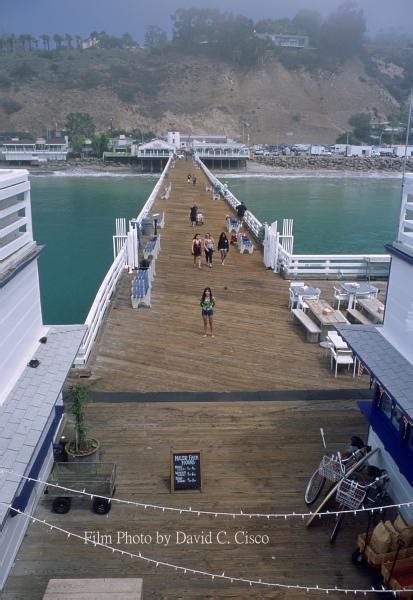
137	89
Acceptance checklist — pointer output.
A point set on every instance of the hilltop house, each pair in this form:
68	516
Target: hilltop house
286	41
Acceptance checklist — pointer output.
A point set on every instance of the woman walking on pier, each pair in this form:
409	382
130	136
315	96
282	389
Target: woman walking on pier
197	250
223	246
209	247
207	310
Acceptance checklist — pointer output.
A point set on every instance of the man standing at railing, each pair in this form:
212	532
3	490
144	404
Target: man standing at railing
241	210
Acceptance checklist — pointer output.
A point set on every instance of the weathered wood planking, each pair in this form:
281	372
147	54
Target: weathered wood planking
256	457
257	346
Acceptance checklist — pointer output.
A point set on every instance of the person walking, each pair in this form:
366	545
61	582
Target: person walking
223	246
193	215
209	247
194	180
241	210
207	310
189	178
197	250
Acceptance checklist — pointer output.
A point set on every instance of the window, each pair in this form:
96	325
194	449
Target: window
396	417
386	405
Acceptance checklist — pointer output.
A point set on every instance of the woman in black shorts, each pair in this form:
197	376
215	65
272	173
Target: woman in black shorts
197	249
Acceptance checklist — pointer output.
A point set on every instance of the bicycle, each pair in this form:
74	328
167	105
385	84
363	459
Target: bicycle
353	494
334	467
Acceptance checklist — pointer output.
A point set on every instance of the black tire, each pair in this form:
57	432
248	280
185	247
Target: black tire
336	528
314	487
358	558
101	506
61	505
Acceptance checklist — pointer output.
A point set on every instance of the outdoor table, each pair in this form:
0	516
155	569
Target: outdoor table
373	307
354	289
325	315
304	291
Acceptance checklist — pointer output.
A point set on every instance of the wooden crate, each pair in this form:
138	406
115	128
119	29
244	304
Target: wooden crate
402	568
375	559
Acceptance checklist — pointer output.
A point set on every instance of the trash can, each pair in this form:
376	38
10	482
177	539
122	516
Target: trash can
147	226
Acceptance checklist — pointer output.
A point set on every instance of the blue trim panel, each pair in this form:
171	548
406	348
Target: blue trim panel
399	253
21	266
20	502
389	437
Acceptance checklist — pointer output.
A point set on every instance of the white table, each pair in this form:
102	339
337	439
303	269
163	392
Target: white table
353	290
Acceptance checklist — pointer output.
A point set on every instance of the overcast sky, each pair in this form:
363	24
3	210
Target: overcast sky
80	17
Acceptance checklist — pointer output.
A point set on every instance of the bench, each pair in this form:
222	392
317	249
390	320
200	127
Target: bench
245	244
141	289
355	316
151	247
312	330
233	224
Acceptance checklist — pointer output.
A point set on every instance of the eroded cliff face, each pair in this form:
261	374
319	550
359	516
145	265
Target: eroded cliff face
196	95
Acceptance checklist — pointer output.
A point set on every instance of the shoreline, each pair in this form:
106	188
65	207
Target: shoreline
317	168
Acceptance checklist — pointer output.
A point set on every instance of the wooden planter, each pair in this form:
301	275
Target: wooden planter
81	455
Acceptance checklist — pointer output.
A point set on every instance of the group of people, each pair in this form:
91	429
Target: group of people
208	246
191	178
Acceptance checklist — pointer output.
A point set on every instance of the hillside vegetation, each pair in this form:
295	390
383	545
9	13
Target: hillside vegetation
214	75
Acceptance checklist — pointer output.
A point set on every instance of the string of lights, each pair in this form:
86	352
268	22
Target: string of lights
213	576
213	513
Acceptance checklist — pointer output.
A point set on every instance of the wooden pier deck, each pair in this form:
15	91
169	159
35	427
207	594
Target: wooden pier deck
257	456
256	345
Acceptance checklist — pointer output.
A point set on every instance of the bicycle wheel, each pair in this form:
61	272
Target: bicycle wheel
314	487
337	527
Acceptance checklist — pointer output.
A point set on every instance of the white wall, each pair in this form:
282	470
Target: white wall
398	322
399	489
20	325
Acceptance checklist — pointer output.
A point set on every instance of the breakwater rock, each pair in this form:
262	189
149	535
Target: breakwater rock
337	163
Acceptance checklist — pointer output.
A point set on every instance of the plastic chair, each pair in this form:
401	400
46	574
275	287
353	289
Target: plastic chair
341	357
340	297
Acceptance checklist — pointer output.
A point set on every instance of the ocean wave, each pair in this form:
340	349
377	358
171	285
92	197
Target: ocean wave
309	175
84	173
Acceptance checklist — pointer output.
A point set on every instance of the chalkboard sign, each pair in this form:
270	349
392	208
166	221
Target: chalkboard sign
185	471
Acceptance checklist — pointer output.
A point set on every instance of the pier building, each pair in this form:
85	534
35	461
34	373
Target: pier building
35	360
251	400
387	352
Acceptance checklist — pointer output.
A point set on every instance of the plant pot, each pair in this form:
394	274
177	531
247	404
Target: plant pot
93	447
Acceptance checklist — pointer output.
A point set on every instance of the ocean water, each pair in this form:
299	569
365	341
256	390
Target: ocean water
348	214
74	216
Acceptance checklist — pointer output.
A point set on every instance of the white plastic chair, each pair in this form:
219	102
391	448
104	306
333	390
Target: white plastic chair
341	357
293	300
340	297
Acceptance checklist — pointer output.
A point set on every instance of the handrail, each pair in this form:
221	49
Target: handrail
107	287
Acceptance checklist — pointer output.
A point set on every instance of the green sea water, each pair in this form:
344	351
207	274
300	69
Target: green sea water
74	216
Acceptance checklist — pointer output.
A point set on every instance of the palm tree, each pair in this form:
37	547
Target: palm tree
22	39
46	40
11	40
69	40
30	40
58	40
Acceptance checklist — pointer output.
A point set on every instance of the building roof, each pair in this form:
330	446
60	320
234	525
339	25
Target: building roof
156	145
388	366
27	408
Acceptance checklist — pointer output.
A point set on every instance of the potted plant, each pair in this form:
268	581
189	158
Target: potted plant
81	446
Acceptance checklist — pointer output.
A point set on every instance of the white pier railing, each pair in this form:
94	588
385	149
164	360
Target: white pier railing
278	248
108	285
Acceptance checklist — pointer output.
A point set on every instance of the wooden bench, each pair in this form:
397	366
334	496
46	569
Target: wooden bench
312	329
355	316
